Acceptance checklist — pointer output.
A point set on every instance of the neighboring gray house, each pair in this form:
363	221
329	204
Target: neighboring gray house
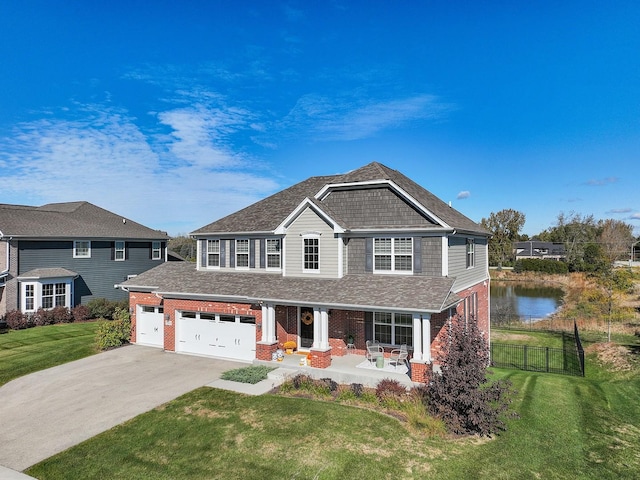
538	249
65	254
328	263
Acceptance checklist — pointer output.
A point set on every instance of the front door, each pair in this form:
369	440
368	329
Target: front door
306	327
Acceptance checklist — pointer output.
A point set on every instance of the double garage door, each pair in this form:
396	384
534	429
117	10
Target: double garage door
218	335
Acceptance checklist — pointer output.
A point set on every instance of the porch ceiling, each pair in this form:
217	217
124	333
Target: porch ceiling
365	292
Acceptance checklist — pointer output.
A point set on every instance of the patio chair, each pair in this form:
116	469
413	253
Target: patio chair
374	350
399	356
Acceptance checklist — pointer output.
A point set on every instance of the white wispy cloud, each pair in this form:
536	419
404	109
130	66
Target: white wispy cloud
322	118
178	182
601	181
620	210
463	194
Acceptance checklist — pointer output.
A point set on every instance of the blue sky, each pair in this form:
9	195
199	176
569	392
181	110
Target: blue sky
175	114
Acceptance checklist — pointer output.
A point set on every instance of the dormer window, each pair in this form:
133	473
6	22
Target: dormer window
213	253
311	254
273	253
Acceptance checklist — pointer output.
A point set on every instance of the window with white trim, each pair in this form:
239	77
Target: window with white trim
156	250
471	254
119	254
29	293
311	254
81	249
393	328
242	253
53	295
393	254
213	253
273	253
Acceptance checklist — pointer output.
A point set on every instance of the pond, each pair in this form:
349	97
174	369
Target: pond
528	302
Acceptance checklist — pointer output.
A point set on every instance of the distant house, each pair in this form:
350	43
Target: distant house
65	254
537	249
333	260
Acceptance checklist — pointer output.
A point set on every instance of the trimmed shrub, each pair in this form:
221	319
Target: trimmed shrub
16	320
103	308
113	333
541	265
252	374
80	313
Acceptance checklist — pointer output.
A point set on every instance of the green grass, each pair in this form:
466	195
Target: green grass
569	427
33	349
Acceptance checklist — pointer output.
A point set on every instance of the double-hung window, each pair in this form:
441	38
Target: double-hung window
81	249
29	297
54	295
119	251
393	328
242	253
471	254
156	250
393	254
213	253
311	261
273	253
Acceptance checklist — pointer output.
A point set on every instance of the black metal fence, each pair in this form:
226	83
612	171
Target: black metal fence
568	360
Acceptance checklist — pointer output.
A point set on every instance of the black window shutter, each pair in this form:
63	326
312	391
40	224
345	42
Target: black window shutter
417	255
368	326
252	253
223	251
232	253
262	253
126	251
203	253
368	254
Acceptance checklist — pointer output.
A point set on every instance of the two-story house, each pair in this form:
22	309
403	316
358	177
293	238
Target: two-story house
65	254
368	255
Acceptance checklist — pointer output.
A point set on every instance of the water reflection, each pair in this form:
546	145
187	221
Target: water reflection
528	302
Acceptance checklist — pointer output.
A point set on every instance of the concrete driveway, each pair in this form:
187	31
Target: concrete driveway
44	413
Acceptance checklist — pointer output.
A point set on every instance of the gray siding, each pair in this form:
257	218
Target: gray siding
374	207
464	276
98	274
309	221
431	264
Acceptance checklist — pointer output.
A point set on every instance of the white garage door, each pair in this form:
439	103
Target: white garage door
228	336
150	326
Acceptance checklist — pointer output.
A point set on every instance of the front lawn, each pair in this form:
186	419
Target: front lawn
33	349
570	427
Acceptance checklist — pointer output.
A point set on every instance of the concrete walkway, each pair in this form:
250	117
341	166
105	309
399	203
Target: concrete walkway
49	411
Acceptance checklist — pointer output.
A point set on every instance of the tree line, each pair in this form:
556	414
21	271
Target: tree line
590	245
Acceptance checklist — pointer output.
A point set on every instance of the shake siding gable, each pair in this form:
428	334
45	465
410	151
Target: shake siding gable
308	221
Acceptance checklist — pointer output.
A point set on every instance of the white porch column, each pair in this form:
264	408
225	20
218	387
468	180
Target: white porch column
268	323
426	338
324	328
317	330
417	337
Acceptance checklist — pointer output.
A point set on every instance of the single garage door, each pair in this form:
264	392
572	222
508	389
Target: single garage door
150	326
217	335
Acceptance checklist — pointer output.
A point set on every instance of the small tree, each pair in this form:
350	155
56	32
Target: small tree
462	395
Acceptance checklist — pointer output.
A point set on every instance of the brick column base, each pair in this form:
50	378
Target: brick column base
264	350
421	372
321	358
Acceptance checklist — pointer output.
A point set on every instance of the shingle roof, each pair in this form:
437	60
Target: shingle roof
54	272
266	215
399	293
70	220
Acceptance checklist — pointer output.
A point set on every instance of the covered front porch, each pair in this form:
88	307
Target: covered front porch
335	341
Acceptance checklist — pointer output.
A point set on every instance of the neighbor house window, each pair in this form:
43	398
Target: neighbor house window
393	328
311	254
54	295
29	297
393	254
119	251
213	253
156	250
273	253
82	249
471	254
242	253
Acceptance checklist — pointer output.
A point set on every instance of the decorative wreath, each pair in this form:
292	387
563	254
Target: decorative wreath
307	318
